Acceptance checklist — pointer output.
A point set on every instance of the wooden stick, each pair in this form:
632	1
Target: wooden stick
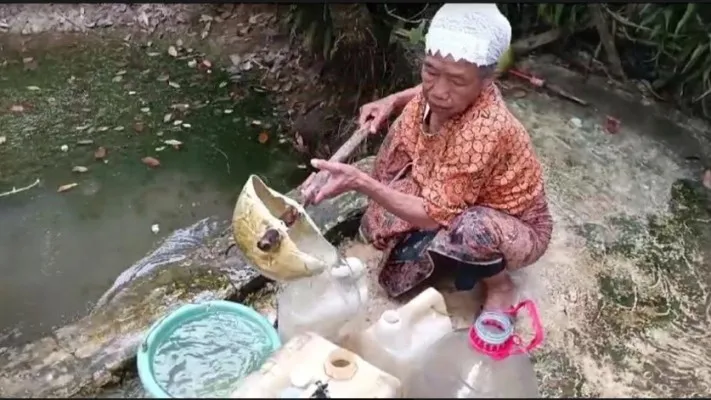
271	239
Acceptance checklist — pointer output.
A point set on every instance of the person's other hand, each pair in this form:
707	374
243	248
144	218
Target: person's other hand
376	113
340	178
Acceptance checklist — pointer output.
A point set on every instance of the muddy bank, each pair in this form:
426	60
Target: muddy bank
93	352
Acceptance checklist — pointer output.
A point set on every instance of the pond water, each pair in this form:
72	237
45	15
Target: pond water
61	251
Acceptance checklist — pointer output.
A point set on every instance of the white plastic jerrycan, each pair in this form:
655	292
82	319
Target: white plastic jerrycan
323	303
310	366
400	338
484	361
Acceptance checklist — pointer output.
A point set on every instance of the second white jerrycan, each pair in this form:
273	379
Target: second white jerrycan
323	303
399	339
309	366
487	360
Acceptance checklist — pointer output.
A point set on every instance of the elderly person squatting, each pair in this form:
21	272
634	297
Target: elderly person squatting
456	183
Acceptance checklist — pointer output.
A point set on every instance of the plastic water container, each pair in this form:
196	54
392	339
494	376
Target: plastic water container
311	366
324	303
203	350
400	338
487	360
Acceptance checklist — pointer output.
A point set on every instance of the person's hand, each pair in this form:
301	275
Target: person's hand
376	113
333	179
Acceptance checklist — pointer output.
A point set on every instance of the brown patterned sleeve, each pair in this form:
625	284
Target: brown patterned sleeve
392	156
467	168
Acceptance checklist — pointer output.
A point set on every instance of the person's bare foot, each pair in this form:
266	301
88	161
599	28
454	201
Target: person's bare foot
500	293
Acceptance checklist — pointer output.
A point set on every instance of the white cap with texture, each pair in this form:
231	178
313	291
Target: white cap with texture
477	33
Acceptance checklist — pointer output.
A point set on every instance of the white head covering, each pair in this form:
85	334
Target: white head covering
477	33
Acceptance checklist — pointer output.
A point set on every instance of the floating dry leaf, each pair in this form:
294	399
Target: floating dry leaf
118	128
121	72
174	84
162	78
103	128
263	137
81	128
172	142
187	126
68	186
301	166
33	88
707	179
3	139
85	142
160	148
228	111
145	109
153	54
131	92
173	51
151	162
222	84
117	78
256	122
100	153
167	117
80	169
177	122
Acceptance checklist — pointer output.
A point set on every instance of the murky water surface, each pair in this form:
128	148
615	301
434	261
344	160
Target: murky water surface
61	251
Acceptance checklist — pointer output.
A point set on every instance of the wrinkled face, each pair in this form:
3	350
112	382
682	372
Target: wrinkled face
449	86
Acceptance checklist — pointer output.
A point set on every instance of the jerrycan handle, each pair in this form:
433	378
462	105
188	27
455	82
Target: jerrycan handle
537	326
430	298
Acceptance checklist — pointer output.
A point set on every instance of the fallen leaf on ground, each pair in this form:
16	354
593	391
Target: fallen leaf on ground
100	153
117	78
68	186
145	109
167	117
612	125
174	85
3	139
519	93
256	122
33	88
707	179
103	128
162	78
121	72
85	142
173	51
151	162
263	137
118	128
80	169
160	148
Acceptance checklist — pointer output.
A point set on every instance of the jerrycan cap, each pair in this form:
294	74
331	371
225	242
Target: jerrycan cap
350	267
493	332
